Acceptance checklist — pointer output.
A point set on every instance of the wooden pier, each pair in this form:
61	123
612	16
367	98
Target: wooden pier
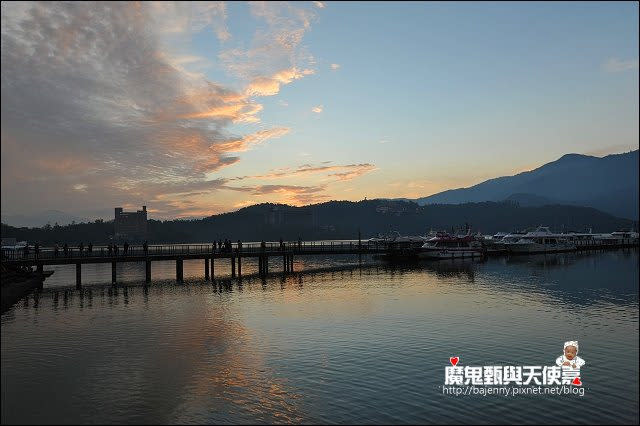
180	252
235	253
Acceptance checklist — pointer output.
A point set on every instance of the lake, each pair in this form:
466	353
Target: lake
338	341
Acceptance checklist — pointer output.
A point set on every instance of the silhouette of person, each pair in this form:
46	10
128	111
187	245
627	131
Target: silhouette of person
239	246
145	247
81	248
56	250
281	244
65	249
126	248
36	249
110	248
115	249
90	247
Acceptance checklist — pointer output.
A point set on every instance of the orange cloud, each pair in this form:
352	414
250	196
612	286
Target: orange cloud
269	86
247	142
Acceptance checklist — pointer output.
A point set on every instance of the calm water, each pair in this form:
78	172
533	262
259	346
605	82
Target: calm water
341	343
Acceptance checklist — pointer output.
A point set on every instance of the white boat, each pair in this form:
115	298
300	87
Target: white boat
445	246
618	238
541	241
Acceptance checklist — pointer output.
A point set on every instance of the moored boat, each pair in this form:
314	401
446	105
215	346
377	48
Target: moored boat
541	241
445	246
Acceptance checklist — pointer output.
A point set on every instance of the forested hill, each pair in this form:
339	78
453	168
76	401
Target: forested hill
339	219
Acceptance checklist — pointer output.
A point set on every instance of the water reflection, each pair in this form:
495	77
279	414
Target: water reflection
338	342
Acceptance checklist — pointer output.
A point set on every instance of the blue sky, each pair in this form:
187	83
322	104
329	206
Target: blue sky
422	97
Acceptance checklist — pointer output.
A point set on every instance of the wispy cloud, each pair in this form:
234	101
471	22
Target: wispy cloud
335	66
317	109
618	65
268	86
319	4
341	172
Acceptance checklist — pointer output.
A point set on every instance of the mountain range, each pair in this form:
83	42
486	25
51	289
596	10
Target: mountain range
609	184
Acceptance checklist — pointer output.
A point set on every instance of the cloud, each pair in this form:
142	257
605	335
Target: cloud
275	48
190	17
317	109
249	141
335	66
319	4
290	194
341	172
89	95
268	86
617	65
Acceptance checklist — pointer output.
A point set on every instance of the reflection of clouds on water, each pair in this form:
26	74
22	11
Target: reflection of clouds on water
338	340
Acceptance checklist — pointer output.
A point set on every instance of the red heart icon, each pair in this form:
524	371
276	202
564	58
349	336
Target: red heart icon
454	360
577	381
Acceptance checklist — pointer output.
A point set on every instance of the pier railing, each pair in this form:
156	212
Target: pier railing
172	250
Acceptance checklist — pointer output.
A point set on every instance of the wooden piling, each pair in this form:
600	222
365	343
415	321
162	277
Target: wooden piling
179	270
147	268
78	275
233	266
206	268
239	266
113	272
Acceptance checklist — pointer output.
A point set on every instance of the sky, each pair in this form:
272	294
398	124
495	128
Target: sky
199	108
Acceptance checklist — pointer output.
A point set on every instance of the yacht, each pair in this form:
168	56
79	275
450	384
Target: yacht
541	241
618	238
445	246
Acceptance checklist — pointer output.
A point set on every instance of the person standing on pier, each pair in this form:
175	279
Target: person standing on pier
281	244
90	247
65	249
56	249
81	248
239	246
145	247
115	249
109	249
36	250
126	247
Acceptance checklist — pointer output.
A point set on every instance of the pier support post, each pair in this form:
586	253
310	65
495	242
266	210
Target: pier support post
259	265
78	275
291	263
147	268
239	266
285	263
40	269
179	271
113	272
206	268
266	265
233	266
212	269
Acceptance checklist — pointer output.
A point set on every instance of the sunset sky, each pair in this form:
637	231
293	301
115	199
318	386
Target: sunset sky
200	108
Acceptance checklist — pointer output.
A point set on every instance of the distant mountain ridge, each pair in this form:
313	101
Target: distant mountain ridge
609	184
41	219
338	220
